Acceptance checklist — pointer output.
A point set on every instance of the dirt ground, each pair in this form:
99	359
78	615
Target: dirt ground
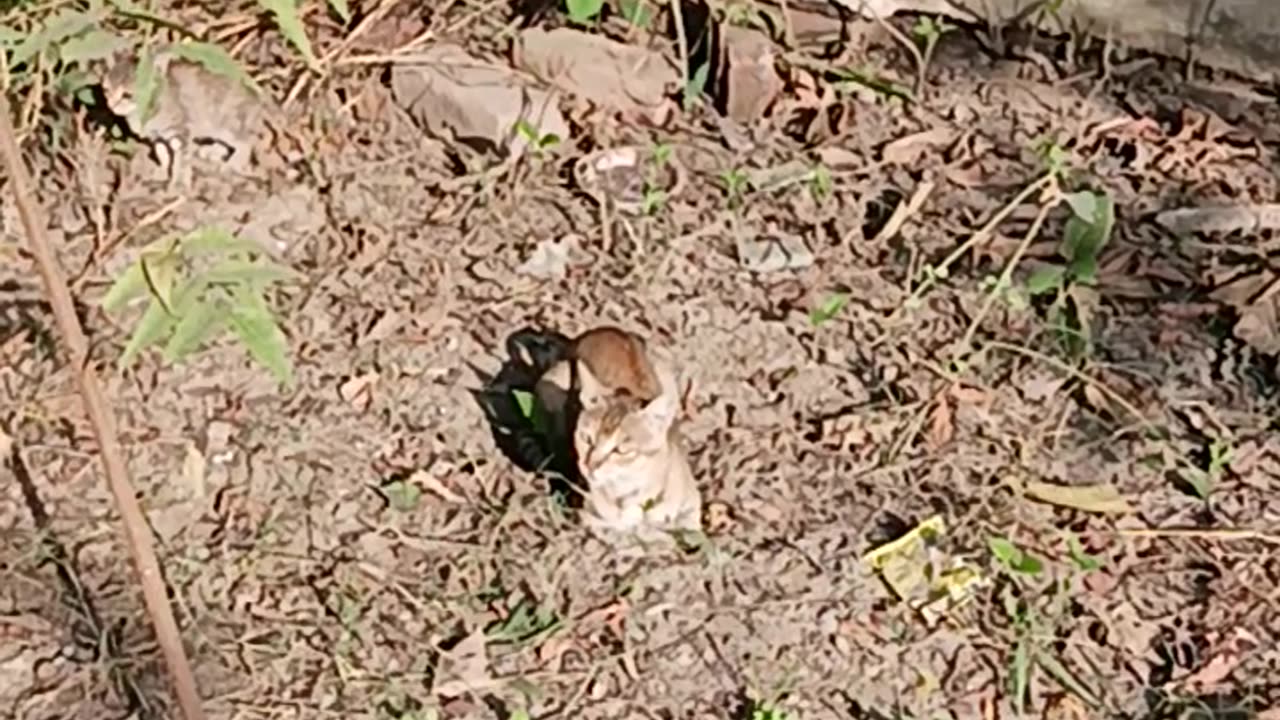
361	544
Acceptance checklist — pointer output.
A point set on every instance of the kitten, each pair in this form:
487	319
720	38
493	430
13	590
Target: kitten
629	450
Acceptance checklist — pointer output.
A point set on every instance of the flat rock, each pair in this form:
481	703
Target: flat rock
621	77
460	98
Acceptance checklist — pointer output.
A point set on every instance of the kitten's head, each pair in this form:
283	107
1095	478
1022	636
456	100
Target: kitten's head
618	434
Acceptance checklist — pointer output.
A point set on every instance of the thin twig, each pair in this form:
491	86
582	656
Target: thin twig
677	11
137	533
1007	274
1077	374
944	267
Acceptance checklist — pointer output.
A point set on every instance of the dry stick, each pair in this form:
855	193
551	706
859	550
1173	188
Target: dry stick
677	11
137	532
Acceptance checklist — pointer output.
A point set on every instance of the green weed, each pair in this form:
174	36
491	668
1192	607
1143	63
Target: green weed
1030	611
1086	234
583	12
199	285
735	181
929	31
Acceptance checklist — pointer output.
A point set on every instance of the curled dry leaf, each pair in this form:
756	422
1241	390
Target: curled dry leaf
1099	498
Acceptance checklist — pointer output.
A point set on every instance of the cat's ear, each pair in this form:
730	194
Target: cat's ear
661	411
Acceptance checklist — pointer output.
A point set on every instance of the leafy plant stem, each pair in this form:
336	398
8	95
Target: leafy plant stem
1007	274
101	419
978	238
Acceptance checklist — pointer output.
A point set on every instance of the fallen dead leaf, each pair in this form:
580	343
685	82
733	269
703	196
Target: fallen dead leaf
1225	659
358	390
430	482
965	395
908	149
464	668
941	428
1099	498
719	518
6	443
1065	707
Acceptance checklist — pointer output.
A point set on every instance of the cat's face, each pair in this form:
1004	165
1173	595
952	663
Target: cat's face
617	438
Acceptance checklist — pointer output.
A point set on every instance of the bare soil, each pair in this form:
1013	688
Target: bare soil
305	590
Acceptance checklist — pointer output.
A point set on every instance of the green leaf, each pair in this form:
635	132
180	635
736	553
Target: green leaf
128	286
133	282
697	83
828	309
1013	557
59	28
254	273
1045	279
636	12
93	45
1083	560
253	323
156	322
147	85
194	328
1084	205
583	11
1087	232
159	272
290	24
526	402
1020	674
341	9
216	60
211	239
403	495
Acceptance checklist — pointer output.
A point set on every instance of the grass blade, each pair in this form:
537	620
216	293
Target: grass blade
290	24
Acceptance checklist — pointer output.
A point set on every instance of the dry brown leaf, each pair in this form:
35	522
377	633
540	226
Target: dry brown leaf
6	443
719	518
1228	656
941	429
431	483
908	149
1065	707
358	390
1099	498
464	668
966	395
